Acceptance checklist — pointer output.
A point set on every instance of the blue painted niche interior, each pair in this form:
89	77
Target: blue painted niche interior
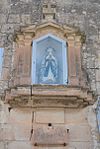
49	61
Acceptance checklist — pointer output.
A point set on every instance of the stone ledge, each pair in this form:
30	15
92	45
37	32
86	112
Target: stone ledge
55	95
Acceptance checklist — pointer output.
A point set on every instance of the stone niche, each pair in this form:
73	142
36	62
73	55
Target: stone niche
47	67
36	45
49	61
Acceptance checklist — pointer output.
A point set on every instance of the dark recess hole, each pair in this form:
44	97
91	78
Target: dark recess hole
49	124
9	109
65	144
35	144
67	130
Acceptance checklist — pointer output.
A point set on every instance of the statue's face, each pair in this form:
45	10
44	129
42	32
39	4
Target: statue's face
50	50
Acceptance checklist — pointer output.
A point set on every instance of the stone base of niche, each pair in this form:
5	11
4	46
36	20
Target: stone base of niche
49	96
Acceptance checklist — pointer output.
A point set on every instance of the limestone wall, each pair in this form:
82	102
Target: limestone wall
18	125
79	13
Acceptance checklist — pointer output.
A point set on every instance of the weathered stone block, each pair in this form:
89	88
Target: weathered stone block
49	116
20	116
5	73
98	75
6	132
80	133
73	116
8	28
81	145
2	18
2	39
50	136
26	19
20	145
98	87
4	114
21	122
2	146
22	132
14	18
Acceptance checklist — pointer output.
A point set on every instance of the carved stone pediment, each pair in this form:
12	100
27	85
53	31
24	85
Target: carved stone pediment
35	28
63	31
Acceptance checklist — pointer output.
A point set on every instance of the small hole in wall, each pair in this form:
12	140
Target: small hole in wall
9	109
65	144
67	130
49	124
43	16
35	144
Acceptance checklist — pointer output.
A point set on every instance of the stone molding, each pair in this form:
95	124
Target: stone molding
49	96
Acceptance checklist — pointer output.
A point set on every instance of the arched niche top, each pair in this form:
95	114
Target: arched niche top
50	37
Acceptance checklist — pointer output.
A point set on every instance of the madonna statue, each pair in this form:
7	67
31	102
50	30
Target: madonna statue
49	68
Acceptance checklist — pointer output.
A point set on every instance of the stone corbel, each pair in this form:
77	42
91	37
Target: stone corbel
20	40
24	38
28	39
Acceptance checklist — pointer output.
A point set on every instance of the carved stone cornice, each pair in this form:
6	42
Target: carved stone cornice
49	96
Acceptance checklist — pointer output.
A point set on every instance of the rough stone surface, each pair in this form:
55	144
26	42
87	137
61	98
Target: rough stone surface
44	116
78	13
50	135
16	126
